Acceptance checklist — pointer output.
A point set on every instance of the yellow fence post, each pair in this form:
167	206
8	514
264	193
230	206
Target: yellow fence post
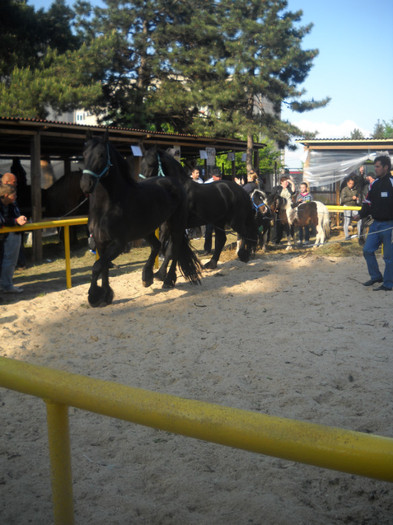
67	253
60	460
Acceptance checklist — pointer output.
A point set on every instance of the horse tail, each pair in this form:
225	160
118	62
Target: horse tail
323	217
189	264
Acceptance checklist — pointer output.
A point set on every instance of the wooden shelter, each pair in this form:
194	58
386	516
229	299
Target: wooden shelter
37	139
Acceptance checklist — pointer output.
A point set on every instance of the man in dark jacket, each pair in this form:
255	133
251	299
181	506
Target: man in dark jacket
9	242
379	204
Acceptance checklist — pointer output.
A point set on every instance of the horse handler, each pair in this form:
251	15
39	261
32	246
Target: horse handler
379	204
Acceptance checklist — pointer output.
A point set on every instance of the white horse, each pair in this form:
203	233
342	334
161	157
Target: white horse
308	213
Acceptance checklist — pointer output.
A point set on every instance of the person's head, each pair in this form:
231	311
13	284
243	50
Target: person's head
303	187
216	174
252	176
7	194
361	170
9	178
382	166
196	173
350	183
284	181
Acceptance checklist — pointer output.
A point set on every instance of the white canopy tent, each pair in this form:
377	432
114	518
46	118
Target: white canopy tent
328	162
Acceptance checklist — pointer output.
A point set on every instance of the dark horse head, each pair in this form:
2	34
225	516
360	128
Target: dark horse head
97	161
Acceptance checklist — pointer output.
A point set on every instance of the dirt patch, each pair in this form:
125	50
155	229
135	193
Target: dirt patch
292	335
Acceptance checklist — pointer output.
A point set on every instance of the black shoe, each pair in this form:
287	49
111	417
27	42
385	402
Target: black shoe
383	288
372	281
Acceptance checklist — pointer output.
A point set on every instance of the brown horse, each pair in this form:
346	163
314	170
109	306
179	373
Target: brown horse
305	214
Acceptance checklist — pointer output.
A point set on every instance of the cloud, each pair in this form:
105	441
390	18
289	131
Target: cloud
294	159
331	131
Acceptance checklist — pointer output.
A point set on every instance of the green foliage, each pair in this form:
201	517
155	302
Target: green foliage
356	134
383	130
269	162
206	67
25	35
218	67
59	81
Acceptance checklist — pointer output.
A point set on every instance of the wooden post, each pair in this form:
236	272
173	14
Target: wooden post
36	204
67	166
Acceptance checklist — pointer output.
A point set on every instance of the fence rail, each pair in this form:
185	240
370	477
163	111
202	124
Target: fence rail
58	223
310	443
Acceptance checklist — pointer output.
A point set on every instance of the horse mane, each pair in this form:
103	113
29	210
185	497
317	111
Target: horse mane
121	163
261	193
170	165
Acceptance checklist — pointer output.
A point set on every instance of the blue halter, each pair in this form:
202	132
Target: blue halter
257	206
104	171
160	172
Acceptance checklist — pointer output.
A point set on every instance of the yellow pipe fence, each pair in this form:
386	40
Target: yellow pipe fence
314	444
66	223
58	223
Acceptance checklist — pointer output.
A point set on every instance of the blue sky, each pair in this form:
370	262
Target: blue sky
354	66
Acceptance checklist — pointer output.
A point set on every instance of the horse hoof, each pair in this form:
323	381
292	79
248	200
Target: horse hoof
243	255
148	283
211	265
168	286
108	299
99	297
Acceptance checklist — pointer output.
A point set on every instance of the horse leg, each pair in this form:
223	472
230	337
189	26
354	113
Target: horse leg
219	243
289	232
103	295
320	237
147	272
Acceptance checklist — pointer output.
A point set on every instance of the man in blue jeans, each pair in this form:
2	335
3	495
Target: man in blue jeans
10	242
379	204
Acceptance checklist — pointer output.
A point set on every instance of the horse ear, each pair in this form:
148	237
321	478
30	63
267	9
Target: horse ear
88	135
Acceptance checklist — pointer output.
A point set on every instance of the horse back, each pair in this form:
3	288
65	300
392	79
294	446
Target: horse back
307	213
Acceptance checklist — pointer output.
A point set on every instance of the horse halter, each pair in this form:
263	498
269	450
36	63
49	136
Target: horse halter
257	206
160	171
98	176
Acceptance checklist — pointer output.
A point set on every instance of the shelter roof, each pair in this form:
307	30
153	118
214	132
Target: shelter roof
65	140
374	144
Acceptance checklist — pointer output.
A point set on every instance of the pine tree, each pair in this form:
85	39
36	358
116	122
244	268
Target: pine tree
265	65
42	64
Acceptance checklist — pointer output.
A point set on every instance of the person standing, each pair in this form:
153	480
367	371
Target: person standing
285	189
304	196
379	204
349	197
252	182
10	244
216	176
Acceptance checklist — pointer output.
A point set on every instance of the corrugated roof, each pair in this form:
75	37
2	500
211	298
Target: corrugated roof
357	142
65	139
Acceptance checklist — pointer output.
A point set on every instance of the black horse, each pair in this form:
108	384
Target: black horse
220	203
122	210
263	217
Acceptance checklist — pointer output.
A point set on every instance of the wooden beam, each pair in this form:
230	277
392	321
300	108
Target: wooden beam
36	204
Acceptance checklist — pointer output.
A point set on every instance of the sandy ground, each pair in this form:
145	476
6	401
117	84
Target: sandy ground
295	337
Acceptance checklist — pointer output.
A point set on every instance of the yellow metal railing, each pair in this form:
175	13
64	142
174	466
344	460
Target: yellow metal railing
323	446
61	223
332	207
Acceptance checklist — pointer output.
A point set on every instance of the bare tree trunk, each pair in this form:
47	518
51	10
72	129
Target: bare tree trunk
249	156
